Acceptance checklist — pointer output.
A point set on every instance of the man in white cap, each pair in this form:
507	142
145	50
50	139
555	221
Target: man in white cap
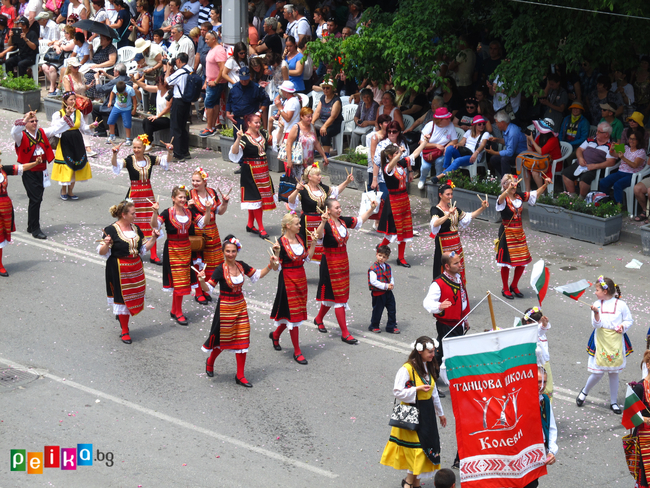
49	29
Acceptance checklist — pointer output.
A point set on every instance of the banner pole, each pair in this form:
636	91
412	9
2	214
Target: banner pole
494	323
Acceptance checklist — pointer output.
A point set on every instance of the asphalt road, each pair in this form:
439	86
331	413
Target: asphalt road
165	423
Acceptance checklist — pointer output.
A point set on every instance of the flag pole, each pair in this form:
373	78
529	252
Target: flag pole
494	323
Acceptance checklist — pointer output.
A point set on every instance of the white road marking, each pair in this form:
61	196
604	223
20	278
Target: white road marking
172	420
574	394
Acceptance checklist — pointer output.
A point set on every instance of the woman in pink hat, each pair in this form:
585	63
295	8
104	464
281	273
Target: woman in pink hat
470	150
545	144
442	133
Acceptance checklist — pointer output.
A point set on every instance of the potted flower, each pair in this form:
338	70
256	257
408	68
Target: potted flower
645	238
564	215
19	94
466	190
51	105
350	161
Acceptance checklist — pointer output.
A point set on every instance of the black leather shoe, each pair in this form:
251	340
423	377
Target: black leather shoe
237	171
321	327
247	384
401	262
276	344
252	230
518	294
208	298
581	402
125	341
349	339
38	234
156	261
208	372
508	296
182	320
441	394
298	360
615	408
4	273
264	235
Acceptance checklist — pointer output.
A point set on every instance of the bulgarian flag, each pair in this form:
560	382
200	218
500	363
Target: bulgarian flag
632	410
539	280
574	290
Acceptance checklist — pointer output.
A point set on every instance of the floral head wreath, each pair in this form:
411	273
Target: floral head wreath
601	282
419	347
145	139
451	184
235	241
531	311
202	172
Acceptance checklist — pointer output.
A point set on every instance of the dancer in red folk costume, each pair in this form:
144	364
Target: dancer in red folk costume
7	225
290	306
123	245
231	328
201	197
177	257
334	279
140	166
512	250
33	142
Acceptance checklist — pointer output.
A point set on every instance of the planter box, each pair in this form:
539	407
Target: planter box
562	222
337	173
51	105
645	239
20	101
225	143
274	163
466	200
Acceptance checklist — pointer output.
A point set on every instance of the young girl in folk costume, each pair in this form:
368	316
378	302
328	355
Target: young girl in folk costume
418	452
395	221
608	345
531	316
257	194
512	250
177	256
140	167
231	329
642	432
200	197
446	220
290	305
312	194
7	224
123	245
70	159
334	279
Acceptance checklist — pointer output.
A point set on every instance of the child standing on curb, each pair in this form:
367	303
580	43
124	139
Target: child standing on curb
381	284
124	105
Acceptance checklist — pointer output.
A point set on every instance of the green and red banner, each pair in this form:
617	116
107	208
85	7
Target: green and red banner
573	290
539	279
493	384
632	410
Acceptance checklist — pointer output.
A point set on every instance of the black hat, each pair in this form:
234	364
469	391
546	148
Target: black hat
22	20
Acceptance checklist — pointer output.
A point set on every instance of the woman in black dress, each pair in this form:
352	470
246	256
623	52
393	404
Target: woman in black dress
123	246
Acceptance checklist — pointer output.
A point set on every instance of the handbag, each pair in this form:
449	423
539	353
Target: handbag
52	57
296	151
83	104
463	151
286	187
197	243
405	416
632	452
430	155
366	198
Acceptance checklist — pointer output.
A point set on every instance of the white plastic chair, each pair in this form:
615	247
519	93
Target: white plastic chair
460	132
348	115
42	46
315	98
126	53
304	100
592	131
408	121
629	191
594	184
566	152
96	42
345	100
349	125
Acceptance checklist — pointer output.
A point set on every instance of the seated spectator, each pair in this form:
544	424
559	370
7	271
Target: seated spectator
601	96
545	144
159	40
436	103
332	27
160	121
465	116
346	32
486	109
414	104
470	150
51	70
153	57
81	49
641	195
513	140
271	42
635	121
451	96
104	59
389	108
364	118
555	99
624	88
575	128
49	29
27	45
608	110
440	133
293	64
328	116
632	161
592	156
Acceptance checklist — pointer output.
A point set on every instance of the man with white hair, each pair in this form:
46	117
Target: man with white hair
592	156
513	140
271	42
181	44
49	29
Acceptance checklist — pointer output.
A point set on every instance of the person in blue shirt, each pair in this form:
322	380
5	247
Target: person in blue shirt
513	140
245	98
124	104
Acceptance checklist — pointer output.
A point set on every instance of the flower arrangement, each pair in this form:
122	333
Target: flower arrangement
576	204
487	184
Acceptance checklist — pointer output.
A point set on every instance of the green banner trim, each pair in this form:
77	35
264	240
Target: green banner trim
491	362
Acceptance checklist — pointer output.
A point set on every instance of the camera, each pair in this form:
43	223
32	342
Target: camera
15	31
171	61
527	131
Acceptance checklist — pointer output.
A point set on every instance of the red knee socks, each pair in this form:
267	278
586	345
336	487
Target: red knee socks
213	356
340	318
505	273
177	305
124	322
258	217
241	362
2	268
294	340
401	247
384	242
278	331
153	253
519	270
251	219
321	314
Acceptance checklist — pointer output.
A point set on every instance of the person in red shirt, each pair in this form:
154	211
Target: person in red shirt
9	11
546	143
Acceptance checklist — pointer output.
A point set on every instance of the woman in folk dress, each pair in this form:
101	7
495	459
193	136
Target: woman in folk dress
512	251
608	345
290	305
211	256
140	167
231	328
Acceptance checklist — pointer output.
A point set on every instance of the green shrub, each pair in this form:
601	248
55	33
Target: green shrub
227	132
24	83
488	184
349	156
576	204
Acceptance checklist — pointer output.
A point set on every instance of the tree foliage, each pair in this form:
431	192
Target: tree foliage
408	44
